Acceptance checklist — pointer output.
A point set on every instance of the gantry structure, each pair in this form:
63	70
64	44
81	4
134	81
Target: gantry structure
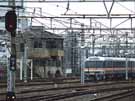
110	30
105	29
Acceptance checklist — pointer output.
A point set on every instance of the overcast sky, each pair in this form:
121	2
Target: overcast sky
58	9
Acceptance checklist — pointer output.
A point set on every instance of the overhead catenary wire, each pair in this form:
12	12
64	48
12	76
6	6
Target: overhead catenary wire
76	21
64	1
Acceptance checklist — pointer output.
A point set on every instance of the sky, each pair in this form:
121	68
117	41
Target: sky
85	8
59	9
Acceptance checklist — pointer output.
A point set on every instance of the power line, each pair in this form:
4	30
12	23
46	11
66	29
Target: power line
65	1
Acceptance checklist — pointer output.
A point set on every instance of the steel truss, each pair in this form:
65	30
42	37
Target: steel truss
70	22
62	1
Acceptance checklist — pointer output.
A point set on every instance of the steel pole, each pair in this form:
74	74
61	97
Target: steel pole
25	63
21	68
11	68
126	68
31	69
82	66
11	73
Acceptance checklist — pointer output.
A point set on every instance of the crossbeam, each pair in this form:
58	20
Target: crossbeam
100	29
63	1
93	16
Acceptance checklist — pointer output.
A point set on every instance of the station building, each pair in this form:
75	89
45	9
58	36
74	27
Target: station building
41	49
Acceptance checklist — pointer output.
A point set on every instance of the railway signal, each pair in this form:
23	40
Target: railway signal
10	96
13	63
11	25
11	21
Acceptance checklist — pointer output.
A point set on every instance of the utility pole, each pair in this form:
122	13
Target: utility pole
21	68
25	63
93	45
22	61
82	64
31	66
126	67
10	25
82	55
126	77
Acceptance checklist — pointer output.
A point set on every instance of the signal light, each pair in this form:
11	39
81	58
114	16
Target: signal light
11	21
13	63
10	96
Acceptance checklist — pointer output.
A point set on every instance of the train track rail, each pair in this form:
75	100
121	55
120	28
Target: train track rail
73	85
76	86
55	97
43	82
36	83
39	83
64	81
116	96
41	87
70	91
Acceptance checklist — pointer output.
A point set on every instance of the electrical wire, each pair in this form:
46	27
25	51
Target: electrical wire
125	7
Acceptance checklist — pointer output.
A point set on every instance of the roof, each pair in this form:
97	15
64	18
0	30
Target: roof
38	32
99	58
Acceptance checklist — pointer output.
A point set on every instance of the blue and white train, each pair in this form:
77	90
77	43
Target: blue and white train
108	68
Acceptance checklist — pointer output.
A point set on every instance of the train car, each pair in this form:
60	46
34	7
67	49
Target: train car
108	68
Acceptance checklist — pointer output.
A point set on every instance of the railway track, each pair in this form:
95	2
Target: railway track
63	86
43	82
116	96
36	83
69	91
64	81
55	97
39	83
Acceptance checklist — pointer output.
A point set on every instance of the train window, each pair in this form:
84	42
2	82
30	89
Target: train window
99	64
130	64
133	64
122	64
107	64
87	64
116	64
94	64
119	64
90	64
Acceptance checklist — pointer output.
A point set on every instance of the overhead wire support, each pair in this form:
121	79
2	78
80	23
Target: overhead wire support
86	16
64	1
100	16
108	11
90	16
16	7
67	9
74	28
